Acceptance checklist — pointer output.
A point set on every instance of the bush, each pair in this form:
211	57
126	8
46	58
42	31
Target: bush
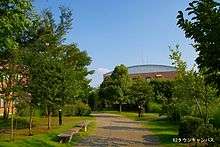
78	109
68	110
216	118
22	109
205	131
189	125
154	107
82	109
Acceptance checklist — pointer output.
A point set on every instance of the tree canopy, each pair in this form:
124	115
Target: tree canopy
116	86
203	27
141	91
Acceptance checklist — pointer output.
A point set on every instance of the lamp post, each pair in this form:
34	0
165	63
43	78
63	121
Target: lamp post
60	117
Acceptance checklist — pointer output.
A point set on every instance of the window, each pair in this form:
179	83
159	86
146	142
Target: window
159	76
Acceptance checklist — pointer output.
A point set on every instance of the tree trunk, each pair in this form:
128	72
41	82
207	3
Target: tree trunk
8	109
49	119
206	107
199	108
120	107
5	116
30	121
12	122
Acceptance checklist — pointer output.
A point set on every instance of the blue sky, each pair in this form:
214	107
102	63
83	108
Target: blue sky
126	32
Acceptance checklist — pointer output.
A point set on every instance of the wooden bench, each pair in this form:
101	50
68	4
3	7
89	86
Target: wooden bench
67	136
84	125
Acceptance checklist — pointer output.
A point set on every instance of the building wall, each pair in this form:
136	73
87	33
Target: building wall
2	107
156	75
169	75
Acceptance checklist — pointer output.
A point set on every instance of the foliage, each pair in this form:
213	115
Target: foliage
122	82
56	71
68	110
191	90
15	18
205	131
154	107
94	100
208	131
22	109
77	109
175	110
216	118
21	123
203	27
44	137
82	109
188	126
107	89
115	87
140	92
162	89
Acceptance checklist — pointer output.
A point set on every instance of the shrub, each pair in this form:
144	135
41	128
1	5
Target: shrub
78	109
205	131
216	118
68	110
154	107
22	109
189	125
82	109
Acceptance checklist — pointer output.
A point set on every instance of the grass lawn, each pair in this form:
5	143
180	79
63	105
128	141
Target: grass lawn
161	128
42	136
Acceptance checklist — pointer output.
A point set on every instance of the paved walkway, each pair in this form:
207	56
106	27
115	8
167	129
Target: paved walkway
117	131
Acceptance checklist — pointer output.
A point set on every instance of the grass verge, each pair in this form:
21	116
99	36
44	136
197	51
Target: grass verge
42	136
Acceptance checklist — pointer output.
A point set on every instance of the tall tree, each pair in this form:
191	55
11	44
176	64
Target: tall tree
141	92
190	90
14	18
115	87
57	71
203	27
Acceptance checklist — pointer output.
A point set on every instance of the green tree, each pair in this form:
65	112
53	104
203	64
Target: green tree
122	82
14	19
56	71
141	92
115	87
163	89
106	91
190	90
203	27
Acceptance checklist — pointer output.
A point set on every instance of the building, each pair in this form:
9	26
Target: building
1	106
150	71
10	81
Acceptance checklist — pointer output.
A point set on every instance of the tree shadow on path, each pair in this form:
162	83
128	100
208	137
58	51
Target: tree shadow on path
95	141
124	128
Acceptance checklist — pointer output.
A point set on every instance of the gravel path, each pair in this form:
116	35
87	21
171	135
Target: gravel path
115	130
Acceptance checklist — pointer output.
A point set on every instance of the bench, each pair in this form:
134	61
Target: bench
83	125
67	136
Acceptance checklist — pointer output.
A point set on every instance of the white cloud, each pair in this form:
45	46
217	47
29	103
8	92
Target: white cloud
97	77
102	70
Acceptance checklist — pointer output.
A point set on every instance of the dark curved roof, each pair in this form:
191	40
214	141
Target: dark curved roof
149	68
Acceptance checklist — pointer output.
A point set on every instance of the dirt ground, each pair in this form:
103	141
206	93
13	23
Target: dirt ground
116	131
